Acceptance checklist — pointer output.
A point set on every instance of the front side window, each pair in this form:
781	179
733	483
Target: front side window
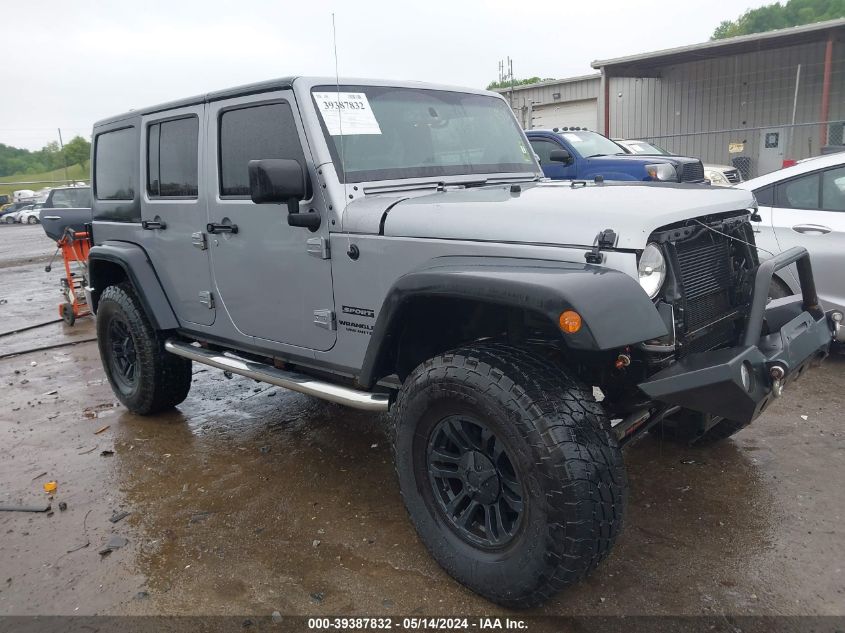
382	133
115	160
833	189
172	158
543	149
801	193
253	133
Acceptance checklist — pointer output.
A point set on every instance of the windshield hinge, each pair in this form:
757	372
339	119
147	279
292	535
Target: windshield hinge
605	239
318	247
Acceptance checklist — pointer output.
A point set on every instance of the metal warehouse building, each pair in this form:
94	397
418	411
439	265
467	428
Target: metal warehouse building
753	101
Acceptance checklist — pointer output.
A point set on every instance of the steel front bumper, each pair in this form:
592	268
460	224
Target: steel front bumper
738	383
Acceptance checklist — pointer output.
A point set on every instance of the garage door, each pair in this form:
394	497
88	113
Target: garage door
570	113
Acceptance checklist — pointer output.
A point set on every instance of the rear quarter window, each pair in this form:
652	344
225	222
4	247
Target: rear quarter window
116	165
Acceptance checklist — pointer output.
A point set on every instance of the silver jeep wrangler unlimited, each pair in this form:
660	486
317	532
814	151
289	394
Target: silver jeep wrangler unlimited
394	247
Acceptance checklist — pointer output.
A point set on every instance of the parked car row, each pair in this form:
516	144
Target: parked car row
29	212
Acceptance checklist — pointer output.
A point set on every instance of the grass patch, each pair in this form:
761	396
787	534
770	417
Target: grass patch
74	172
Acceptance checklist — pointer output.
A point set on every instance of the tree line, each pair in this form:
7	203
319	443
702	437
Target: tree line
781	16
15	160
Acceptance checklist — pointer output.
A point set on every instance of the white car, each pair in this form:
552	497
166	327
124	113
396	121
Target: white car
720	175
31	215
804	205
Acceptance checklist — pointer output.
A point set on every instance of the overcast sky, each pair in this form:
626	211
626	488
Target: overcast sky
69	64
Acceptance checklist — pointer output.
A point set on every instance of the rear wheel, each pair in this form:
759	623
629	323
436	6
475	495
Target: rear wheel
32	220
509	472
144	377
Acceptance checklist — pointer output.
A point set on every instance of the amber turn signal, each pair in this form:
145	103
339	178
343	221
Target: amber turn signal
570	321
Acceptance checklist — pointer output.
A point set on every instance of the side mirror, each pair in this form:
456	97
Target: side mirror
277	180
560	156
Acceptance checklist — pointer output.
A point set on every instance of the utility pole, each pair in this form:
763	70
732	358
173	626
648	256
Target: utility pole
510	73
64	158
506	75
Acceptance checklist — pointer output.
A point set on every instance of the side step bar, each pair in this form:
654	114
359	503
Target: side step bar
281	378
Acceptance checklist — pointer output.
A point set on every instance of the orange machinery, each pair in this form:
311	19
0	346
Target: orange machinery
74	246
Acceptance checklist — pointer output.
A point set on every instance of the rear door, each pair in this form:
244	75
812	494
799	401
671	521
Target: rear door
173	210
809	211
270	278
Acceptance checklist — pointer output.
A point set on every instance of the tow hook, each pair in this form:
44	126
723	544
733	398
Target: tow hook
836	318
777	373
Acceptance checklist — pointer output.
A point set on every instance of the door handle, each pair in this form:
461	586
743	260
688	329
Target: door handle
52	217
811	228
221	228
152	226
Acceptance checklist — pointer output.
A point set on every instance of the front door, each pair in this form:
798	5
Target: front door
556	171
809	211
271	284
173	210
771	152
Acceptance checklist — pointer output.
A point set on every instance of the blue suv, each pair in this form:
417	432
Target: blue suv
576	153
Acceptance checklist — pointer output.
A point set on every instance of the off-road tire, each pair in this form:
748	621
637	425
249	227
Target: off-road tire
161	380
678	429
561	446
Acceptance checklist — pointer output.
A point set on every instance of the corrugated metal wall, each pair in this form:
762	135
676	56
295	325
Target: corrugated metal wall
699	108
576	89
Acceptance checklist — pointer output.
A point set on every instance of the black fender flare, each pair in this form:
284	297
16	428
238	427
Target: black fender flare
614	309
139	270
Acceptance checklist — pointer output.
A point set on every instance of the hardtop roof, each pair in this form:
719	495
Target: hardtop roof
281	83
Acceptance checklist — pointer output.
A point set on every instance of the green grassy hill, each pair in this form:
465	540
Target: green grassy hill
74	172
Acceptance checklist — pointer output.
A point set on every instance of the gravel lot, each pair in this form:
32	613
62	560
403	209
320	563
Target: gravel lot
250	499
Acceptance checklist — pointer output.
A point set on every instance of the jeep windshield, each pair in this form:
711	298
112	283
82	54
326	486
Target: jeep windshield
387	133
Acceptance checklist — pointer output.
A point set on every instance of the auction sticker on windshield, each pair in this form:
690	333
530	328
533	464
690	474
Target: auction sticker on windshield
346	113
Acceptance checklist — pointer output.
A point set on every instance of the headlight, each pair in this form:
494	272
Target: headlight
662	171
652	270
715	177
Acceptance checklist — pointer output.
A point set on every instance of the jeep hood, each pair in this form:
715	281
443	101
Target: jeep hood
542	213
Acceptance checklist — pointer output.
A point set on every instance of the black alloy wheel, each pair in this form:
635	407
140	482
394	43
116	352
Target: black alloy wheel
122	356
474	482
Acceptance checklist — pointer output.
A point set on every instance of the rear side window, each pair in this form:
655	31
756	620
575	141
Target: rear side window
252	133
77	198
115	164
172	158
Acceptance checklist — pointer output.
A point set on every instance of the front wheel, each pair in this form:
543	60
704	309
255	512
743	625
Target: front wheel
32	220
509	472
144	377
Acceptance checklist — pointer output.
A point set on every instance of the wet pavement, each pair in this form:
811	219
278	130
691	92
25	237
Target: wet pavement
249	499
